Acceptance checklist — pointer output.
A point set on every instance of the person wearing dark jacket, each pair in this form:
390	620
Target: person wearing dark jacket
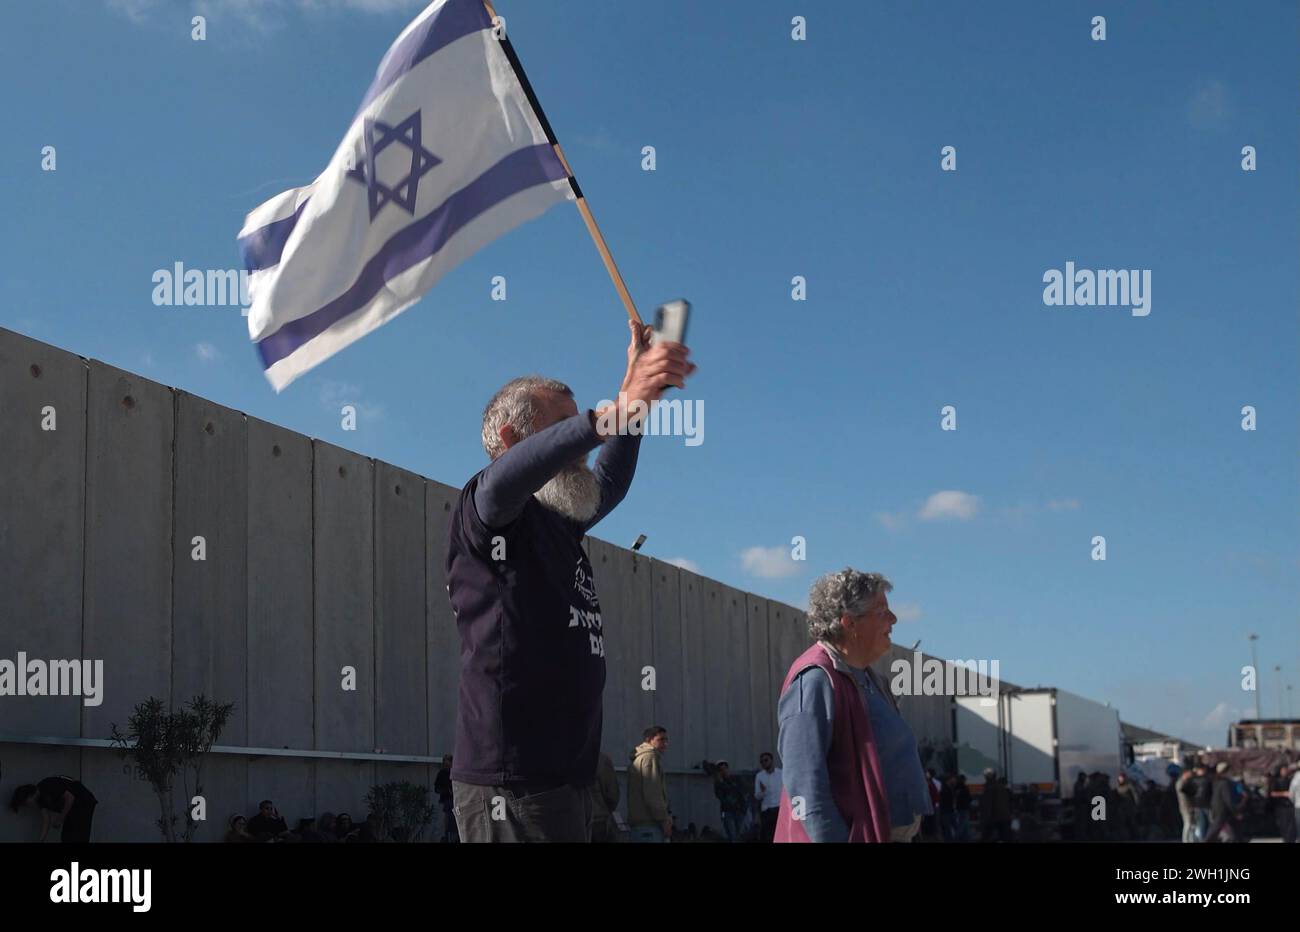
1082	803
69	798
267	825
442	786
1201	801
961	807
995	809
947	813
731	800
532	651
1127	805
1222	811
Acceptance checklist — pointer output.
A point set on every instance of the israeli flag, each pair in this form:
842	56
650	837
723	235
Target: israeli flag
445	155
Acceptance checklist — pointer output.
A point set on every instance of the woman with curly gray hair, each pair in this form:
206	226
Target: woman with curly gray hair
852	771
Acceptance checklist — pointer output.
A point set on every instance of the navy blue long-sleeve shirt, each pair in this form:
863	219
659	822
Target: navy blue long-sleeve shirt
532	660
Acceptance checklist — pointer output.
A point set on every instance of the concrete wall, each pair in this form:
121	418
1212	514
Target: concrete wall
317	560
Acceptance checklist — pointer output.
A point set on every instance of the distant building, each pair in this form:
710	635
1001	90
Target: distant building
1271	733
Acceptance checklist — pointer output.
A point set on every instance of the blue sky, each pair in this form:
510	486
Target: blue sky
778	158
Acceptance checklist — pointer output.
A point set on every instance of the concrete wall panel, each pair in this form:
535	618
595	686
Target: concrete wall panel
42	522
210	595
128	568
763	689
344	585
401	641
665	607
440	627
280	657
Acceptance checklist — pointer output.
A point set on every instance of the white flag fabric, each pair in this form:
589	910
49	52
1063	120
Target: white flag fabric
445	155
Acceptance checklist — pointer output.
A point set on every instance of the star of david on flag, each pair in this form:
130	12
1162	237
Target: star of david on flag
378	136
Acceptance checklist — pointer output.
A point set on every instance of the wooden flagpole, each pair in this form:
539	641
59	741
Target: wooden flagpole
583	209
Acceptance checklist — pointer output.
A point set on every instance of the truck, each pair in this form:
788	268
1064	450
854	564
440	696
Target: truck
1040	740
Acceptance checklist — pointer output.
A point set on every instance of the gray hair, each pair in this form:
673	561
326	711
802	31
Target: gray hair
847	592
515	404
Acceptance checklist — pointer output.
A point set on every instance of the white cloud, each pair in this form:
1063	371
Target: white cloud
1222	715
949	504
891	521
1063	504
207	352
334	395
907	611
769	562
684	564
133	10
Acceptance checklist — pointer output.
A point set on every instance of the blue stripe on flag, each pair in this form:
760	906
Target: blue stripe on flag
261	249
518	171
456	19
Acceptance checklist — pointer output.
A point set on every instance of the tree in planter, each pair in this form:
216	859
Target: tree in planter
404	809
163	744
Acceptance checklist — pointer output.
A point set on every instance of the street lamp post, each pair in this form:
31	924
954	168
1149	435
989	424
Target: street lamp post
1255	666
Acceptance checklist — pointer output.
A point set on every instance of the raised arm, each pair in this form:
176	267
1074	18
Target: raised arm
505	486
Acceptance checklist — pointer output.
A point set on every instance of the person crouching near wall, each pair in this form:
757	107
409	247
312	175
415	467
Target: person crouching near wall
851	761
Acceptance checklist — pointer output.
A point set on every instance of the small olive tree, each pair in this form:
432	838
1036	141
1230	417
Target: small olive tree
166	744
403	809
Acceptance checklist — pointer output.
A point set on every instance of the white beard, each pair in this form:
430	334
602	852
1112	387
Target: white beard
573	492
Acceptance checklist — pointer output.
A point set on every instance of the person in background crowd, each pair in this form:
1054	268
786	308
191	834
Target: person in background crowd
532	655
1294	792
995	808
647	794
238	831
69	798
731	800
849	755
1103	828
1280	795
767	794
1127	799
310	833
267	824
1202	800
604	802
947	811
326	826
1222	809
930	822
961	807
1082	807
1185	790
442	786
344	830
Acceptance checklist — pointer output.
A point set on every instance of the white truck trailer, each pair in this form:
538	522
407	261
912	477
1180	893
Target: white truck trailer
1039	739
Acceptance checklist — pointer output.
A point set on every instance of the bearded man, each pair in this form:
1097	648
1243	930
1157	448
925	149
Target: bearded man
532	659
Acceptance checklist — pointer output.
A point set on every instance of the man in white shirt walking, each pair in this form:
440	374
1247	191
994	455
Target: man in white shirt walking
767	791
